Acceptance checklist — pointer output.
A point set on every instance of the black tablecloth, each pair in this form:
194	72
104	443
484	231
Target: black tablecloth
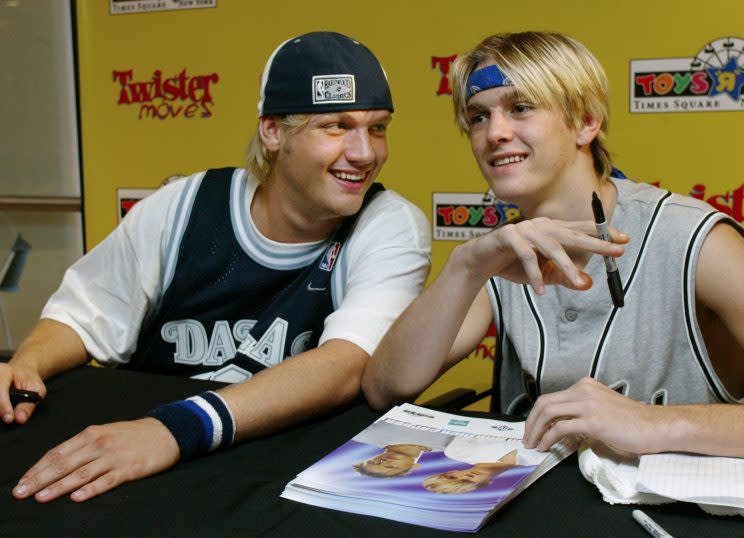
236	492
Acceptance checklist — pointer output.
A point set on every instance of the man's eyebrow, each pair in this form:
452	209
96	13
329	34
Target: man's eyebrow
383	116
475	107
348	116
512	92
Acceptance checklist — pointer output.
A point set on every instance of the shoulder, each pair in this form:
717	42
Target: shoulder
648	197
164	197
389	216
674	214
153	220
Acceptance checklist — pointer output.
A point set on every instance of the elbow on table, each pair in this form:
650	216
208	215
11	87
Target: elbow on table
378	394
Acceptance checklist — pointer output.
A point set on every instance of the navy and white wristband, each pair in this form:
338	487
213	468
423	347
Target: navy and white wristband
200	424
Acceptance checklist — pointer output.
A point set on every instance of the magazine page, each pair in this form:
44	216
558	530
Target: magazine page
425	467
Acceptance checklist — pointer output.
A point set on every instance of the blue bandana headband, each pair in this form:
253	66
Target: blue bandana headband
486	78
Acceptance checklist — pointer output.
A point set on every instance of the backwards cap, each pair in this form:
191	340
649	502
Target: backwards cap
322	72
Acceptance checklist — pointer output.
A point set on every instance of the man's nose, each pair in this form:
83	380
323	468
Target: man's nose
499	128
359	148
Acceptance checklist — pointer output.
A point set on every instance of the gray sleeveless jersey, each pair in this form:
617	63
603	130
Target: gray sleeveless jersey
652	349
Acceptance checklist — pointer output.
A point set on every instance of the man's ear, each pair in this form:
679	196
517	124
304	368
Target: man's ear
269	129
588	131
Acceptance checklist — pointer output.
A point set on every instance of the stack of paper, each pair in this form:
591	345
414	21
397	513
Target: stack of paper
428	468
710	481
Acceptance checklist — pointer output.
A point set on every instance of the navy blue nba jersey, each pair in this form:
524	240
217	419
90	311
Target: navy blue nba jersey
224	315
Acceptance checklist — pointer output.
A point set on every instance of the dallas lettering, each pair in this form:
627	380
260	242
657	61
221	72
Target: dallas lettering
181	95
193	345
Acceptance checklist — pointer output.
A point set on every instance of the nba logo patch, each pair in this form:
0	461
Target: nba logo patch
329	258
333	89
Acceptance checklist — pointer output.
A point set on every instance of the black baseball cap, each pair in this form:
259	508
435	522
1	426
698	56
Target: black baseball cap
323	72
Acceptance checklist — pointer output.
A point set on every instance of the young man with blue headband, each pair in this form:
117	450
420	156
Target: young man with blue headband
228	273
534	106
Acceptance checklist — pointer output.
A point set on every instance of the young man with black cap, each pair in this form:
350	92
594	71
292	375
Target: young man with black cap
226	273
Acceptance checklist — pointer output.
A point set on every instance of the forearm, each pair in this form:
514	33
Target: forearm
418	346
592	409
300	388
715	429
50	349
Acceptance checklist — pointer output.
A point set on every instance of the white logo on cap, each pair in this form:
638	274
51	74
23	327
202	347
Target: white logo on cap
334	89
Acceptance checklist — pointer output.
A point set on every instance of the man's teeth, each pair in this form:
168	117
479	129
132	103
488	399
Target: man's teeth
508	160
349	177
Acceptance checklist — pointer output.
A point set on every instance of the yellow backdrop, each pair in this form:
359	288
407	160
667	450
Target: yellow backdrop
208	60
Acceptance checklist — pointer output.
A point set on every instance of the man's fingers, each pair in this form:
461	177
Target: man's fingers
6	410
554	240
21	379
79	479
548	410
102	484
552	274
518	241
618	236
588	227
553	424
56	464
560	429
23	412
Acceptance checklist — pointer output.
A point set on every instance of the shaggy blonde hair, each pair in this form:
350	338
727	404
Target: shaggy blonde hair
548	69
260	161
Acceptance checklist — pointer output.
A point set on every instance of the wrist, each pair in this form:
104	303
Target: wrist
25	361
199	424
464	260
670	429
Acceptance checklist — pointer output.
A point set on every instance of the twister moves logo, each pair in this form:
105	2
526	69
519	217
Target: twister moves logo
159	97
460	216
711	80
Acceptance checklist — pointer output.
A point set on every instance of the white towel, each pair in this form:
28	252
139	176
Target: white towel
615	475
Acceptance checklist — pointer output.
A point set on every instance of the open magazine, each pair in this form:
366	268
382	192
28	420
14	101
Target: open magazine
428	468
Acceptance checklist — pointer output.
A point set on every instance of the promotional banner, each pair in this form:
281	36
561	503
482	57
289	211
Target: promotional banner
170	87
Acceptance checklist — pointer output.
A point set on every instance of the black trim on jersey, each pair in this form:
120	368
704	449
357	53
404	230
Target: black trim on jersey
628	282
496	377
688	310
541	331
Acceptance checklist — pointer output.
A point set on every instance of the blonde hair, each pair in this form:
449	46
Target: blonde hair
550	70
260	161
441	483
362	468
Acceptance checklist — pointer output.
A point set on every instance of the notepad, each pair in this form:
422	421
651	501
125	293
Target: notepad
708	480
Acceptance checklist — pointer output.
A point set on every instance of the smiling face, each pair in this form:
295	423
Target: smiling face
526	152
324	168
388	464
552	70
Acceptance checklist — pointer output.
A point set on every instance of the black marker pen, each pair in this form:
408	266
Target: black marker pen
613	275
